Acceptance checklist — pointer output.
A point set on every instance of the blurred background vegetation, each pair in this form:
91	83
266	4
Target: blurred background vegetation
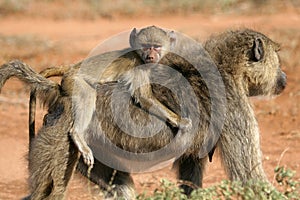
28	46
91	9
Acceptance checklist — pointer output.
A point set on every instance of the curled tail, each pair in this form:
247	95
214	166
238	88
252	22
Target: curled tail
55	71
46	73
48	91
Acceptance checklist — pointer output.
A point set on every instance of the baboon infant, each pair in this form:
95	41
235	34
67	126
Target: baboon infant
248	64
131	66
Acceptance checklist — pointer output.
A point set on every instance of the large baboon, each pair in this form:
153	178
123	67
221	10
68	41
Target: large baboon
249	65
243	58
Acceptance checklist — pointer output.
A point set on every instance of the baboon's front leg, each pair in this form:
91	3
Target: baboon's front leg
241	155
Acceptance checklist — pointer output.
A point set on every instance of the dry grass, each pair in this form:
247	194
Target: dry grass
91	9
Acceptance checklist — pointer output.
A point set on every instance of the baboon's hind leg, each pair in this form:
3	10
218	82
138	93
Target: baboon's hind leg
47	73
53	155
191	172
51	164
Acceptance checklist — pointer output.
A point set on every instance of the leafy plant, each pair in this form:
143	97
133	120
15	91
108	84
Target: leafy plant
288	188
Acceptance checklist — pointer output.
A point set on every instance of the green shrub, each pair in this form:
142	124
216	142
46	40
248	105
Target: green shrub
286	188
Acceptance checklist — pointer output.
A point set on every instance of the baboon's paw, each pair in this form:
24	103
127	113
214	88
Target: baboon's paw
83	148
185	125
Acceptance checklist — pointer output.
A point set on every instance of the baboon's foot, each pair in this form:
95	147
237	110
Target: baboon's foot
83	148
88	157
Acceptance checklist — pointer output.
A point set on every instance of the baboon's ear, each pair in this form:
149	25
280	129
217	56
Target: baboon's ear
258	49
172	37
132	37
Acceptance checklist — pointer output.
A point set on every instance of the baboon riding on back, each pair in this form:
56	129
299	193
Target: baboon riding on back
247	64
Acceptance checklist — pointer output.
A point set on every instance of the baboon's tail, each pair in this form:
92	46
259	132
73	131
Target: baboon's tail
55	71
47	90
46	73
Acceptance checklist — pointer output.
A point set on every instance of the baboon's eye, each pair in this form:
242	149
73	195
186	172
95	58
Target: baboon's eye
157	47
258	49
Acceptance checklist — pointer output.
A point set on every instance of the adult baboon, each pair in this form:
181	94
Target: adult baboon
243	58
249	65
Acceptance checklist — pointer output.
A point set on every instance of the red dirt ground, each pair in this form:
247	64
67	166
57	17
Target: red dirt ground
70	40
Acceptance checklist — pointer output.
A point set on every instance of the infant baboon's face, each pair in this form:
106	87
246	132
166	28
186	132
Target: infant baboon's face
263	72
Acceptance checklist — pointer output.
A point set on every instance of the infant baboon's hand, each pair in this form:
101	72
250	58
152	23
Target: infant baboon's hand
185	125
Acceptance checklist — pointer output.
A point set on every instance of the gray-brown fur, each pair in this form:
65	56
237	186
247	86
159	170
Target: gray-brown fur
47	90
100	70
236	56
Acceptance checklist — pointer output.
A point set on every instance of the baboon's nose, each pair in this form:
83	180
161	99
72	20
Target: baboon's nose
150	59
283	79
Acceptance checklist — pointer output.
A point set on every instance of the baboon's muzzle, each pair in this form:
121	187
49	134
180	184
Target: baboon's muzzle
281	83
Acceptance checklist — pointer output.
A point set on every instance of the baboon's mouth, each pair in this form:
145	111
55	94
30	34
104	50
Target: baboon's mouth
149	60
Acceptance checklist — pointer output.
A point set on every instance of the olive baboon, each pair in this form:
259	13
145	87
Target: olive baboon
249	65
243	58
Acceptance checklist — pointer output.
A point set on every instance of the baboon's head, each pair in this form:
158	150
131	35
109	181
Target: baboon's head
251	58
152	43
